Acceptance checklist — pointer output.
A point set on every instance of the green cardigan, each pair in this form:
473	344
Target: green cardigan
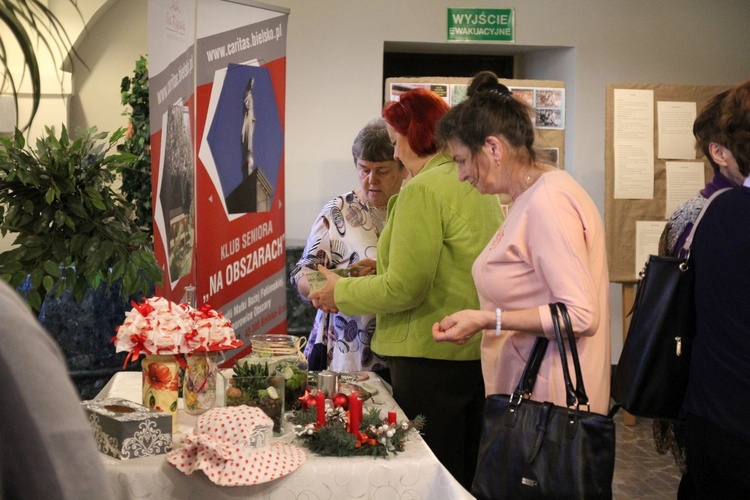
436	228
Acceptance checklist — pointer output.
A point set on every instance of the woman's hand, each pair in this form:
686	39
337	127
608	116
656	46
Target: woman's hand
459	327
369	266
323	298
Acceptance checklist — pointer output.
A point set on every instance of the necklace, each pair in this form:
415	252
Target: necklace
378	219
525	186
377	216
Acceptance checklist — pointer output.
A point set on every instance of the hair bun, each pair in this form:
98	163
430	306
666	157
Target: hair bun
486	82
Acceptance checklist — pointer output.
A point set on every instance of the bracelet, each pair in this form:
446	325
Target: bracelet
499	323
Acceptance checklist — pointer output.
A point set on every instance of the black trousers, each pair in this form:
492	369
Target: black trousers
450	395
717	460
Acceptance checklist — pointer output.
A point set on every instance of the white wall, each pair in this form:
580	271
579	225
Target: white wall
55	89
110	49
334	72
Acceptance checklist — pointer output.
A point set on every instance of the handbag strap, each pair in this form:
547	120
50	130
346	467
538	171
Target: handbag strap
580	389
577	396
574	396
689	240
528	377
683	253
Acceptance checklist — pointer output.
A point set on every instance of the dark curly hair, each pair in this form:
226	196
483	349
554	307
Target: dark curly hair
734	122
706	126
490	109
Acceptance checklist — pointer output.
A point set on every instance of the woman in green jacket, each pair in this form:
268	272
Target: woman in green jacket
436	228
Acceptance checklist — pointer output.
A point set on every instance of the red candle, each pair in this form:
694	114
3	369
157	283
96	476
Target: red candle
320	398
355	413
391	417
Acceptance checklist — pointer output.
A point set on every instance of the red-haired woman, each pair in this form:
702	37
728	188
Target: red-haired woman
436	228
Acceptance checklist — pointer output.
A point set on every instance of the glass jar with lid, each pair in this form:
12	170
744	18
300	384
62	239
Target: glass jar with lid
284	356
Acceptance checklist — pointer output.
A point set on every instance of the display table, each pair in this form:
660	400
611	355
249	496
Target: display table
412	474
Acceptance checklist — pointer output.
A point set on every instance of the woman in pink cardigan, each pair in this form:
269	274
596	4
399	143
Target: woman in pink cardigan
550	248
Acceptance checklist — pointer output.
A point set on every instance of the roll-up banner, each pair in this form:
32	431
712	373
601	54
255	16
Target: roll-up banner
217	75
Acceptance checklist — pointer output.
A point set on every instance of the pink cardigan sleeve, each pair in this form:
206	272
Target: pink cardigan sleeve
562	251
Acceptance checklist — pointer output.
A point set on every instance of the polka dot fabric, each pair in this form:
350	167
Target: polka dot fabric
233	447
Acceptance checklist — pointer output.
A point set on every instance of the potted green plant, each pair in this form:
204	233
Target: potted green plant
136	173
78	254
253	385
73	230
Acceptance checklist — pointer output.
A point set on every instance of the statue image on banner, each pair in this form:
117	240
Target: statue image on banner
247	169
248	128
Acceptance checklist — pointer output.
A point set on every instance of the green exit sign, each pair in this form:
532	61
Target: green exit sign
481	24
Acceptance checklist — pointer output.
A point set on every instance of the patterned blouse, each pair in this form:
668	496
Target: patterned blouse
679	225
681	221
346	231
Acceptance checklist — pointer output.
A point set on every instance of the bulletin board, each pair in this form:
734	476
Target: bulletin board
621	215
547	97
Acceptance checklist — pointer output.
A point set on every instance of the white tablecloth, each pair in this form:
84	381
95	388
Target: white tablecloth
412	474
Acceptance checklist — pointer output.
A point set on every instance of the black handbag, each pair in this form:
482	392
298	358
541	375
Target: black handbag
530	449
652	373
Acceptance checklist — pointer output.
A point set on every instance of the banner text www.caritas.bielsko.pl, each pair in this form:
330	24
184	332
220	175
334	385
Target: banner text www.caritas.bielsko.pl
243	43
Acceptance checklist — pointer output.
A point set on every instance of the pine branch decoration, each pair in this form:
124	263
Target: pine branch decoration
375	438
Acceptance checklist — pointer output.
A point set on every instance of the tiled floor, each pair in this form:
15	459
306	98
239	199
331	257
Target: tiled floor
640	472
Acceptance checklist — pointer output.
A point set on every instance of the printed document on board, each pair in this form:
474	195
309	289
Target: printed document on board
634	143
675	120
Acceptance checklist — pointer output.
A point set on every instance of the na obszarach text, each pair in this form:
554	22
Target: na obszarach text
251	260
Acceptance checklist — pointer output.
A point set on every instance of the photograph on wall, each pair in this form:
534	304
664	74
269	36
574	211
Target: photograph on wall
549	118
549	98
526	95
245	139
458	93
440	89
550	155
550	108
175	192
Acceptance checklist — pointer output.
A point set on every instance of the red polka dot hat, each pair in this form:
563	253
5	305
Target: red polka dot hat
233	447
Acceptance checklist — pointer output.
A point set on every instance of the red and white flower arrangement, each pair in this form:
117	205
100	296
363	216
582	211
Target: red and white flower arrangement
159	326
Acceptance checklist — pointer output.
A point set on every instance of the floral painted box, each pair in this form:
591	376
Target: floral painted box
124	429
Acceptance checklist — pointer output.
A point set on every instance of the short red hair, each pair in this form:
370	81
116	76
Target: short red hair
415	116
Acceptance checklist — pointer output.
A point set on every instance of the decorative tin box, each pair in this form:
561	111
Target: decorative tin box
124	429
